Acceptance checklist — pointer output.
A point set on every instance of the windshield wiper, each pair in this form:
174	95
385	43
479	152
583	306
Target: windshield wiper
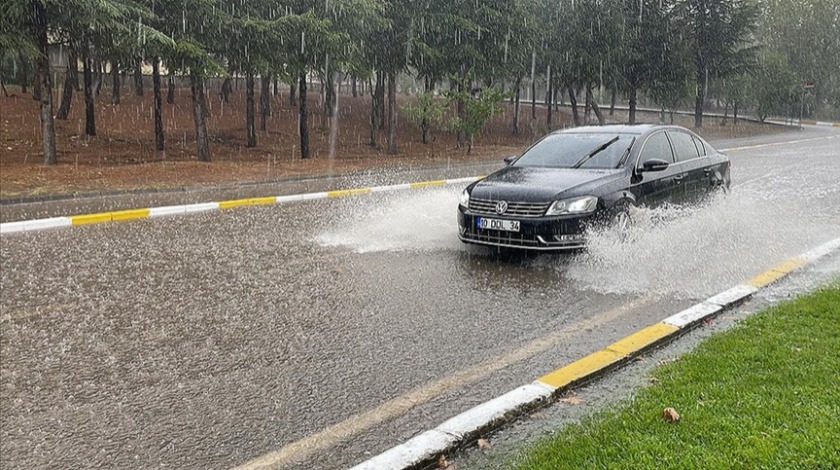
626	154
597	150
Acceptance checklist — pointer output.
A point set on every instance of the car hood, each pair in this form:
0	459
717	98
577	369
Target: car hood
532	184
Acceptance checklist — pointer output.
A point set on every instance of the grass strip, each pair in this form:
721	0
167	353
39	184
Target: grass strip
765	394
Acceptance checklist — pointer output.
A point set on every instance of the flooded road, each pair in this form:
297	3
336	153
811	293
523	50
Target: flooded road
321	333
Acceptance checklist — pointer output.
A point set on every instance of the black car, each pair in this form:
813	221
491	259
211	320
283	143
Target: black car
546	198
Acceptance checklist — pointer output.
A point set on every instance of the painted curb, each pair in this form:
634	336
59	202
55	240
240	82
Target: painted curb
131	214
456	432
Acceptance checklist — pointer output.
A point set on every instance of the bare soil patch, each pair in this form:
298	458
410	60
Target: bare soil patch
122	155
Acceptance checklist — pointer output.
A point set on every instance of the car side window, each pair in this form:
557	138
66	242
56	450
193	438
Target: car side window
683	145
656	146
700	146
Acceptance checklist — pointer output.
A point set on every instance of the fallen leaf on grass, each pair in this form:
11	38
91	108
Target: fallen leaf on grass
536	415
572	400
442	462
483	444
669	414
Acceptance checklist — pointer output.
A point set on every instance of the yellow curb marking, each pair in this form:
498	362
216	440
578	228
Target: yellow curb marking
91	218
581	368
263	200
777	272
130	214
641	339
234	203
348	192
427	184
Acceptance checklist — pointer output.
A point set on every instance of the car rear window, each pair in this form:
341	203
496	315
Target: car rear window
566	150
700	146
683	145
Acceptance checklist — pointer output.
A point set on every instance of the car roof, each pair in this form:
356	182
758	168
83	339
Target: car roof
635	129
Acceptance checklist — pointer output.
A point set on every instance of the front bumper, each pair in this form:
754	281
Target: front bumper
536	233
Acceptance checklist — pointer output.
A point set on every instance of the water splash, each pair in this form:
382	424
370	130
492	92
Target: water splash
420	221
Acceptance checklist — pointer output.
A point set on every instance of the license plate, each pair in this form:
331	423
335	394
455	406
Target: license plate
497	224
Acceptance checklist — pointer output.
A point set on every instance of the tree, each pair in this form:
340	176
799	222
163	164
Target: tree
478	108
40	24
193	40
805	35
774	85
718	32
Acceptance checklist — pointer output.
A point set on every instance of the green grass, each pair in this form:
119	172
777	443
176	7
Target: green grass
765	394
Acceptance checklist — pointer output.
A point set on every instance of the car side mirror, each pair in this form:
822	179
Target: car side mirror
654	164
510	159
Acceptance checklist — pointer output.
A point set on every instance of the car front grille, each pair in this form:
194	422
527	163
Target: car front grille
515	209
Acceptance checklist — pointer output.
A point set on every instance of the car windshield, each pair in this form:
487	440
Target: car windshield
577	151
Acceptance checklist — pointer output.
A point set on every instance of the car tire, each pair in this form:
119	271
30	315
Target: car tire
623	220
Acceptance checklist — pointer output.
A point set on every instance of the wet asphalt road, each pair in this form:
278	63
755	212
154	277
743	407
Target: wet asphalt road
210	340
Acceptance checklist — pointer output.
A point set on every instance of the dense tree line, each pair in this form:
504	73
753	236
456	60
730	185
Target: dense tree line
741	53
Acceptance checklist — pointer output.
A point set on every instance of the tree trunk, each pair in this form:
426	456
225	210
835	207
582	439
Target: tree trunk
100	77
632	103
67	93
374	123
265	101
90	114
197	89
170	94
226	90
354	87
392	113
612	102
158	103
549	98
735	113
329	98
138	77
461	105
725	118
36	82
594	105
293	96
115	84
517	94
587	109
250	124
380	98
573	103
304	116
534	99
700	98
24	73
276	87
42	71
425	125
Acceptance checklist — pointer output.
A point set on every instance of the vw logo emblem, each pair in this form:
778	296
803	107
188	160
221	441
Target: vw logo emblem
501	207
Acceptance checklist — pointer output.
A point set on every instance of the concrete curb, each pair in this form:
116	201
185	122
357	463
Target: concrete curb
462	429
114	216
821	123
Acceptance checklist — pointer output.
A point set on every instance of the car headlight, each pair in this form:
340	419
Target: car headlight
465	198
578	205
